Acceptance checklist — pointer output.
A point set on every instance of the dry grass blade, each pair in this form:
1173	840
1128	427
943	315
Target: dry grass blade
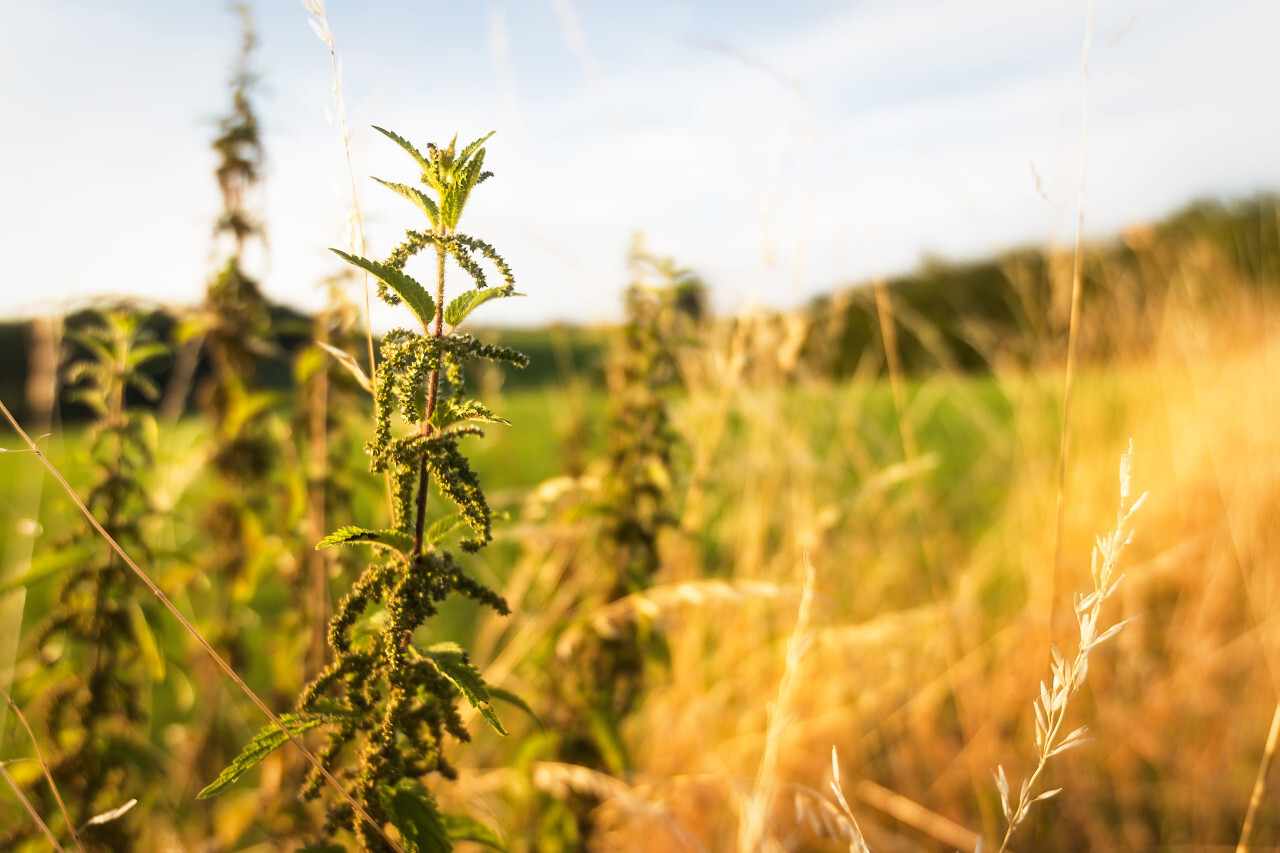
30	809
44	765
653	602
857	844
753	824
1260	784
192	630
562	780
350	364
917	816
110	815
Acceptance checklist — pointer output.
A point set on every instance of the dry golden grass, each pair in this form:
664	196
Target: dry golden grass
929	631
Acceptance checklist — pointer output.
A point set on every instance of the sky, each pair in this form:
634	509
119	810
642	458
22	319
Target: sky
778	149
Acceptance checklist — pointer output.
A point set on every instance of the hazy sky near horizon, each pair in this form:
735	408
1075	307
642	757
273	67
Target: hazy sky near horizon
778	149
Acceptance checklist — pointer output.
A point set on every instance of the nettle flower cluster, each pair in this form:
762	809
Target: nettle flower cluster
386	700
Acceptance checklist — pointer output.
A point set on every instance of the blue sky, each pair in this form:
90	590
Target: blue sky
779	149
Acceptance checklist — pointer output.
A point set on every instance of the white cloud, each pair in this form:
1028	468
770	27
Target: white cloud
918	131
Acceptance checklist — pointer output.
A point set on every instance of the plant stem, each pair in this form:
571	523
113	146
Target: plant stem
433	391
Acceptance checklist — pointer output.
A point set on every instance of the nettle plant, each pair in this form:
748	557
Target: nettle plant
98	652
386	700
598	677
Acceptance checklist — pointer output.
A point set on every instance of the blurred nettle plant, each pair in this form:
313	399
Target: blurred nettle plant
664	306
596	669
97	644
387	700
235	328
238	318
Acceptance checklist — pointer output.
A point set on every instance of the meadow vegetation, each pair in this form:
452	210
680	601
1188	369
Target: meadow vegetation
789	581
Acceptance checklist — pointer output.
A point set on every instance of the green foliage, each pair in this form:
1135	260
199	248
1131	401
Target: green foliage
463	828
462	306
98	651
392	540
451	661
978	315
268	741
412	809
601	682
413	294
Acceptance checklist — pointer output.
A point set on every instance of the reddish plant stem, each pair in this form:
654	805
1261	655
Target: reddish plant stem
433	391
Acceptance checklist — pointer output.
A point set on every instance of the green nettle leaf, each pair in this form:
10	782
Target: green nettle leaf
461	306
465	828
468	177
407	146
48	565
451	661
424	202
388	540
471	149
145	352
413	293
98	349
444	528
267	741
512	699
144	385
412	810
447	414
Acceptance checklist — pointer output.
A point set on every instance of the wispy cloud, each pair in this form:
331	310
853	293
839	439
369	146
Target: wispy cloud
879	131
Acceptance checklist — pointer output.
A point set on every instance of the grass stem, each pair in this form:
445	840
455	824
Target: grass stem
1260	784
44	765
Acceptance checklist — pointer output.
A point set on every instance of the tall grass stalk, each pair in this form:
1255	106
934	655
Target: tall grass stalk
755	816
1069	673
857	844
1073	325
1260	784
355	224
355	220
911	813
